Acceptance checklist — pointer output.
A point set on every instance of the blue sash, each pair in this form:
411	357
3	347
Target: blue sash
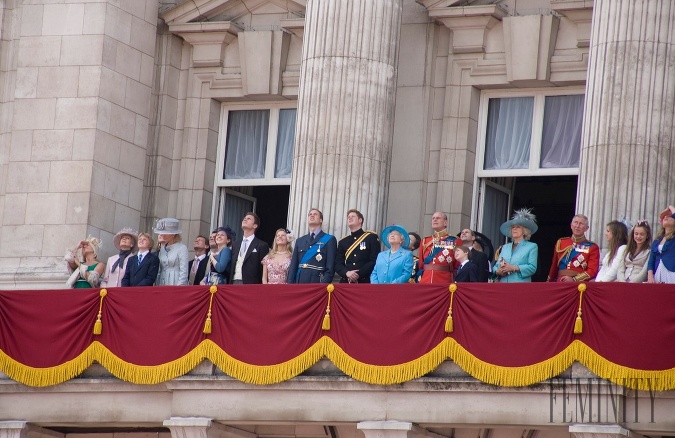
436	249
312	251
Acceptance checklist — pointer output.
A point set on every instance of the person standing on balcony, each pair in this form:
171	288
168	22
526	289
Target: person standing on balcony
517	260
172	253
575	258
247	253
661	267
357	252
314	255
437	258
125	241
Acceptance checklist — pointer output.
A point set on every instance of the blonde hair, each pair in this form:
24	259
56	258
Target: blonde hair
275	250
149	237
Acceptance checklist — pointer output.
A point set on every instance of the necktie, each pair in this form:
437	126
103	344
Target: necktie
242	250
140	259
311	237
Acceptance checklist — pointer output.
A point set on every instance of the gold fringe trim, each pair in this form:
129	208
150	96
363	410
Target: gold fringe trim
661	380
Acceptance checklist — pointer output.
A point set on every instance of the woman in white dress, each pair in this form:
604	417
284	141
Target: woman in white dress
633	265
173	255
616	235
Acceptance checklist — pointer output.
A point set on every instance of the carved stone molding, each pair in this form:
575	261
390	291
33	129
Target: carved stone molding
580	12
469	24
208	39
529	42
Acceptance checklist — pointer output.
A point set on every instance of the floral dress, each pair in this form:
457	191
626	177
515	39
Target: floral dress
276	273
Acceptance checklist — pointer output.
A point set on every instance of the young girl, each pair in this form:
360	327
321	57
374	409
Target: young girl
633	265
276	263
616	234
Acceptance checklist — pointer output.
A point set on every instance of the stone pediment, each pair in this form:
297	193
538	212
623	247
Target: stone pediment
230	10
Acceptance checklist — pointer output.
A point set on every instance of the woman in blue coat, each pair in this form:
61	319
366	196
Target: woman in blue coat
517	260
394	265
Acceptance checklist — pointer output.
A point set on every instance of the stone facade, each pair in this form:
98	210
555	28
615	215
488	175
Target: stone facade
112	112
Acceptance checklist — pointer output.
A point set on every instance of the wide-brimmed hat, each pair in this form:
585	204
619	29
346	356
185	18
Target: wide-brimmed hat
522	217
167	225
670	211
125	232
400	229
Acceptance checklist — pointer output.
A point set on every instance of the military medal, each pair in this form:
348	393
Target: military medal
318	257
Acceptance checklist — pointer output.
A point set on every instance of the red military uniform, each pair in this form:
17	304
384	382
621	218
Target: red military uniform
575	257
437	260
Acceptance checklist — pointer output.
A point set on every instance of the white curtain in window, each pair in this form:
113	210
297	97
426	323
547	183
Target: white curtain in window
285	142
246	145
235	208
561	137
509	132
495	212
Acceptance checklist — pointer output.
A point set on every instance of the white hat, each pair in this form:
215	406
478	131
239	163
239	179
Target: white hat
167	225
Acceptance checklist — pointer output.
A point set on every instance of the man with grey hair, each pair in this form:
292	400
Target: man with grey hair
575	258
437	252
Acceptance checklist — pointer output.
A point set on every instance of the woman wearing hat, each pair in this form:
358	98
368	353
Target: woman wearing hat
394	265
173	255
517	260
125	241
83	264
661	268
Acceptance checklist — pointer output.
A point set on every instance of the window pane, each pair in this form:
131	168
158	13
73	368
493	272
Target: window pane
496	210
246	144
509	131
235	208
561	137
285	142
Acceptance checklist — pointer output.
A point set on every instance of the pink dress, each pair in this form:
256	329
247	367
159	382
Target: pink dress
276	273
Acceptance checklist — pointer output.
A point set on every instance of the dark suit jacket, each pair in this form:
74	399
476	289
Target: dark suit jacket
251	269
201	269
325	267
362	258
467	273
481	261
143	275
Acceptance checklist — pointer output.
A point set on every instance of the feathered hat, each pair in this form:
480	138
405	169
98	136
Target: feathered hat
522	217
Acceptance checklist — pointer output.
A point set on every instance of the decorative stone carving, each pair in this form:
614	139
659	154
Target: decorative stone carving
529	42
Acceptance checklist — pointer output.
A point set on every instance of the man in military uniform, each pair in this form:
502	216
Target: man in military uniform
437	259
575	258
313	259
357	252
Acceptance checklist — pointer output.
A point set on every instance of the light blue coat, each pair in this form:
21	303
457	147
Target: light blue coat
525	257
392	268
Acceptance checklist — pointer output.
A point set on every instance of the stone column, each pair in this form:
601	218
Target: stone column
345	116
627	166
200	427
393	429
23	429
602	431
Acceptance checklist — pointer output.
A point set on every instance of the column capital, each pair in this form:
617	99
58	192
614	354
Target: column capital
201	427
393	429
23	429
602	431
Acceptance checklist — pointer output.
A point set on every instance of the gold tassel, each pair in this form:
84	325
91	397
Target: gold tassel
579	324
98	325
207	323
325	325
449	325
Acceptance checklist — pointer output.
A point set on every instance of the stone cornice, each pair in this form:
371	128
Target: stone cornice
580	12
208	40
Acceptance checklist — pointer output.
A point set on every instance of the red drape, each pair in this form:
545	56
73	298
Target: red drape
508	326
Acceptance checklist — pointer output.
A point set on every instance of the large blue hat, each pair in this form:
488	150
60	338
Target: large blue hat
400	229
522	217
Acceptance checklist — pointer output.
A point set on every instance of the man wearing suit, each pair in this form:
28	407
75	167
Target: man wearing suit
142	269
197	267
247	253
477	257
314	254
467	272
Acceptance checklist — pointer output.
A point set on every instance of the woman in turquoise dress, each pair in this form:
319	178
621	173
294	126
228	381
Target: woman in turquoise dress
394	265
83	264
516	261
